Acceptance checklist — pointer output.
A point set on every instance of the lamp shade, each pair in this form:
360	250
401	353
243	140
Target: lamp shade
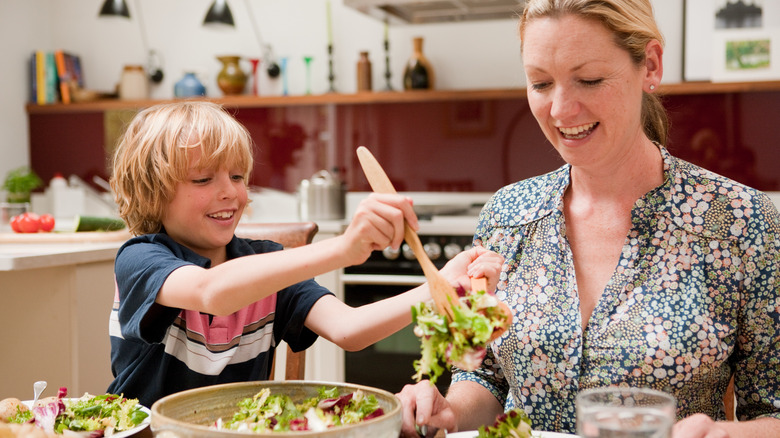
114	8
219	12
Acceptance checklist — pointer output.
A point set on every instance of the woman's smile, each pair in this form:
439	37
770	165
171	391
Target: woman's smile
578	132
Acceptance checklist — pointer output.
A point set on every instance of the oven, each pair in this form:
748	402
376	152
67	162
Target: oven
447	222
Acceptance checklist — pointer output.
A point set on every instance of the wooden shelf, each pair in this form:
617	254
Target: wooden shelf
383	97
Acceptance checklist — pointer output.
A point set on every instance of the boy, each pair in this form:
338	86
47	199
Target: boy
197	306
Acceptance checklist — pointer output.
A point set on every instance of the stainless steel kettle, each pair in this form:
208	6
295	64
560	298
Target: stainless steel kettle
322	197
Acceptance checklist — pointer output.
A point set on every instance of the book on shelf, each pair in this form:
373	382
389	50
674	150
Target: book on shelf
40	77
33	75
63	75
51	81
54	76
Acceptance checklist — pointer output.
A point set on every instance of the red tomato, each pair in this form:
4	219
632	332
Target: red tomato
15	223
47	222
29	223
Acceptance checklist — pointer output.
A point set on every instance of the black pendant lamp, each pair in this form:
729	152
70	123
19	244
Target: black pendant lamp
219	13
114	8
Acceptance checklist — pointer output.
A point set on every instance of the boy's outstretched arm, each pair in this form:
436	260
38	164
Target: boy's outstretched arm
355	328
227	287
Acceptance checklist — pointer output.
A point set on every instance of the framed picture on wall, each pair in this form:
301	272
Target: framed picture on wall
731	40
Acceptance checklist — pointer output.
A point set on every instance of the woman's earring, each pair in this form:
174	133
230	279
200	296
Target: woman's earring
652	87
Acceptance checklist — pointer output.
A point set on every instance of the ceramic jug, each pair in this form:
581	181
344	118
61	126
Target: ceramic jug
133	84
189	86
231	79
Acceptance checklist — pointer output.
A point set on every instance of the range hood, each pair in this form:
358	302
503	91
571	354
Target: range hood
438	11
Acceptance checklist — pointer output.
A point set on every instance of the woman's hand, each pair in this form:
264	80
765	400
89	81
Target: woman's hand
476	262
423	404
698	426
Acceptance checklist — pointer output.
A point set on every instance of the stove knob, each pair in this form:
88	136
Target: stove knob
390	253
451	250
433	250
408	253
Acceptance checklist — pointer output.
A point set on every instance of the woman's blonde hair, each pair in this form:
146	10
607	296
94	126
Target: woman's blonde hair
633	26
153	156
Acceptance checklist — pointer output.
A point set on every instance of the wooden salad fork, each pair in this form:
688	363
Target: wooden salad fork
443	293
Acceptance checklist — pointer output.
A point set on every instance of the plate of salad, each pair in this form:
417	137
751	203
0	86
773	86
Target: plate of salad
511	424
460	341
475	434
95	415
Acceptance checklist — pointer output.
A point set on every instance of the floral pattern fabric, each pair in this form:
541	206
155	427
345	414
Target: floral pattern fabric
694	299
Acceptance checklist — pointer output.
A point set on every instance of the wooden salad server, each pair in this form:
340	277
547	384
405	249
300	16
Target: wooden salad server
443	293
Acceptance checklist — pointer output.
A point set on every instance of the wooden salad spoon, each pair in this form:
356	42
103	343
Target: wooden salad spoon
443	293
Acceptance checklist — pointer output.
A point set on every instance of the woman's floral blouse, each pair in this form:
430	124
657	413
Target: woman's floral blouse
694	299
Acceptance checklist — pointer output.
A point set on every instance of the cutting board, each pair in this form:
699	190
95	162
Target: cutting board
57	237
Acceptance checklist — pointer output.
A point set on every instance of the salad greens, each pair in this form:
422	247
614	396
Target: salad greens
103	415
511	424
460	342
266	412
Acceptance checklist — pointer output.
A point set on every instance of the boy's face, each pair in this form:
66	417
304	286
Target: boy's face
206	208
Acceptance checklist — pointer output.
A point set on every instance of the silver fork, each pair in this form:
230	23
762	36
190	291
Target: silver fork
38	388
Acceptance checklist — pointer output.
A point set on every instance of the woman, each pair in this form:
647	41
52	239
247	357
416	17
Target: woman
626	266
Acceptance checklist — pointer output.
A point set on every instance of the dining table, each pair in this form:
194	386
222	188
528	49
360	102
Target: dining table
147	433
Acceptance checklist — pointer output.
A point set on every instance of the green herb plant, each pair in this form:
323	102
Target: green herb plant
19	183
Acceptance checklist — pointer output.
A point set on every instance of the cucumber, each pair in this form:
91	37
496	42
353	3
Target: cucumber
94	223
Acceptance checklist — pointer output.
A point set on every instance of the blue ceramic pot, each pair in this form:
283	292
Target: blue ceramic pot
189	86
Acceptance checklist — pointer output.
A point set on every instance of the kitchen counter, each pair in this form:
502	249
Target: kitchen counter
23	256
45	250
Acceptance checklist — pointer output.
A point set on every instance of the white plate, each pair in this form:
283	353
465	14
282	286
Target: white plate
473	433
122	434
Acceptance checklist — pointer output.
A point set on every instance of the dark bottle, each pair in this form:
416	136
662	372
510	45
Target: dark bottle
418	74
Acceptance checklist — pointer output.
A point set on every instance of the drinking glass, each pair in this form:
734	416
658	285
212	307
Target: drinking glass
307	60
625	413
8	210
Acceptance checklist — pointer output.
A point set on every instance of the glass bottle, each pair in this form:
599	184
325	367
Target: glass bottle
364	72
418	74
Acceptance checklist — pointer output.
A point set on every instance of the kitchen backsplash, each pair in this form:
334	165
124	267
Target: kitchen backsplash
465	146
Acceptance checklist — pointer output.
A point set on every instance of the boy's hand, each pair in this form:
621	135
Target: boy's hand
476	262
378	223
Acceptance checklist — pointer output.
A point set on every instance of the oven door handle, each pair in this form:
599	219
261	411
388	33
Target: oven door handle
379	279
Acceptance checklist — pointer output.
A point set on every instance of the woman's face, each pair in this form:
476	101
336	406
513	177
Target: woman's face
583	89
206	208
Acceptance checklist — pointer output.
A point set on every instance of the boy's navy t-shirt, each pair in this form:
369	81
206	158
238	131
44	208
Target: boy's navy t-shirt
158	350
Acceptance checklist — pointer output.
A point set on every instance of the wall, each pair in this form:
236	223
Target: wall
23	26
466	55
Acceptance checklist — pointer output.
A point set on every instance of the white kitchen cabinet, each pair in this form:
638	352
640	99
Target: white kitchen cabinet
324	360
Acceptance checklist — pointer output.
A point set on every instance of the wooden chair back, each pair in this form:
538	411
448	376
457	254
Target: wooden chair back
289	235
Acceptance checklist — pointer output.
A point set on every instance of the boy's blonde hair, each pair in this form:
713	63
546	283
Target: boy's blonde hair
153	156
